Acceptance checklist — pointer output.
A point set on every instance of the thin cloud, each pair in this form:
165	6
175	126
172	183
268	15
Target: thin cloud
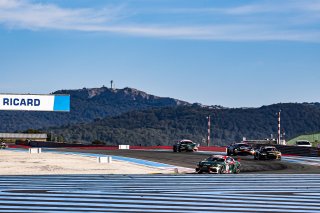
218	33
8	4
23	14
256	8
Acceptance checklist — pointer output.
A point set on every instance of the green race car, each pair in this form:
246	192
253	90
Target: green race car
219	164
185	145
3	145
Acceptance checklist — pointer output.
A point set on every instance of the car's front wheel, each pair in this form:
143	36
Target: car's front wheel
237	170
234	153
199	171
174	149
222	170
228	152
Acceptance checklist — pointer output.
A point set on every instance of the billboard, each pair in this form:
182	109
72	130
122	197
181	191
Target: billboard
35	102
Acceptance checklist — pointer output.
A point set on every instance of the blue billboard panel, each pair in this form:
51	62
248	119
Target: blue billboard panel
61	103
35	102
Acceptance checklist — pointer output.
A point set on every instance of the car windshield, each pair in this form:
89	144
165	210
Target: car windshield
215	159
187	143
243	145
303	143
270	149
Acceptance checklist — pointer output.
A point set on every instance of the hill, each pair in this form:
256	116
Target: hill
164	125
313	138
86	106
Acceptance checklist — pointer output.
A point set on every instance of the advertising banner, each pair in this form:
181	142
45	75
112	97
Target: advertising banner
35	102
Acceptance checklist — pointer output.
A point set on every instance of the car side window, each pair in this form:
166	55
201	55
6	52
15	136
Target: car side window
229	160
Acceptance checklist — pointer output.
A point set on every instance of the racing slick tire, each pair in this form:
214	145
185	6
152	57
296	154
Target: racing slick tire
238	170
222	170
228	152
198	171
174	149
234	153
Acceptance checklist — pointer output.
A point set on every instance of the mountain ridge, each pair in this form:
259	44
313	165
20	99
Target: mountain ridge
87	104
164	125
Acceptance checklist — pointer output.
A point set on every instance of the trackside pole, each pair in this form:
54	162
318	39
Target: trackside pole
279	130
209	124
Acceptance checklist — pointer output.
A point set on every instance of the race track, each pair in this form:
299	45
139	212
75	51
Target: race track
190	159
161	193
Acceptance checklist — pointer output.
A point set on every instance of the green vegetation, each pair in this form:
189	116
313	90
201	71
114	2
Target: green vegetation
165	125
97	142
33	131
313	138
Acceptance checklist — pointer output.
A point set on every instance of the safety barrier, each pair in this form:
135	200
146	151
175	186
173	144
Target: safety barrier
287	150
124	147
299	150
35	150
107	159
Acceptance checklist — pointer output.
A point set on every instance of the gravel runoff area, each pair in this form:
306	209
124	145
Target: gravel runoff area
25	163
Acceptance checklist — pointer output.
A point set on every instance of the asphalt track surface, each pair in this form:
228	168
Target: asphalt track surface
190	160
274	193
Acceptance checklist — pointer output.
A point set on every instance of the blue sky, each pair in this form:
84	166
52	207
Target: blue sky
214	52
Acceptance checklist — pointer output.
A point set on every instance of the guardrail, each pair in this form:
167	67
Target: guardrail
299	150
287	150
50	144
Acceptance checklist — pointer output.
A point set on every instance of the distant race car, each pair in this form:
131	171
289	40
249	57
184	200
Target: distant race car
3	145
303	143
267	152
185	145
219	164
240	149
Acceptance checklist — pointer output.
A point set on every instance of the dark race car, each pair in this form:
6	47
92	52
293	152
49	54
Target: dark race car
185	145
240	149
218	164
267	152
